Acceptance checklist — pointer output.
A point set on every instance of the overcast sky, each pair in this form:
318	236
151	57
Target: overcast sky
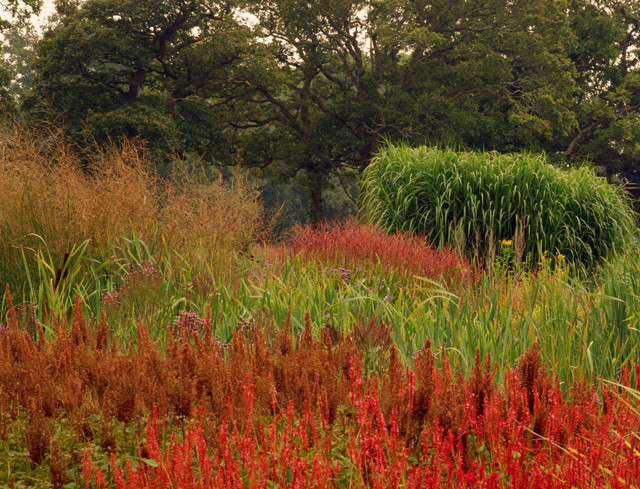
47	9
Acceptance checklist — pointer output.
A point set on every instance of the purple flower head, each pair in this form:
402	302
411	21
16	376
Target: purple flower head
245	325
420	353
216	343
188	322
27	315
111	299
145	274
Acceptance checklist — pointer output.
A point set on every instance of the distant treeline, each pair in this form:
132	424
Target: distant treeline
304	92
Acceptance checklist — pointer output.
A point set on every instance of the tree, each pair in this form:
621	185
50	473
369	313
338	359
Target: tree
149	69
19	52
607	99
345	74
16	32
311	88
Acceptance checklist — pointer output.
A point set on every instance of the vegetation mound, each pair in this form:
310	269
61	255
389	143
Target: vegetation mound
473	200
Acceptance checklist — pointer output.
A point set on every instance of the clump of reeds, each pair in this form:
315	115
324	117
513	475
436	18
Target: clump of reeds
472	200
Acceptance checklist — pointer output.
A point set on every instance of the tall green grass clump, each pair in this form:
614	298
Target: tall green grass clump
473	200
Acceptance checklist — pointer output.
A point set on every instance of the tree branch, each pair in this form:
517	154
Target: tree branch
283	110
569	152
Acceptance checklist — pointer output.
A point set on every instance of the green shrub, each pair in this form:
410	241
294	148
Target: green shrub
473	200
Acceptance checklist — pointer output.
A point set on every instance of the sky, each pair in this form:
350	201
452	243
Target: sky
48	8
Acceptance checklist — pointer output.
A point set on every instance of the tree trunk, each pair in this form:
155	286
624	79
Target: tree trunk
134	86
316	212
368	149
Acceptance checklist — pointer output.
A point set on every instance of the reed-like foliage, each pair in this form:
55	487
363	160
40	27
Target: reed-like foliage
473	200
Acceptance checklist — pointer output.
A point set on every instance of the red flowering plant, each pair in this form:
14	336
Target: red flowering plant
440	430
349	246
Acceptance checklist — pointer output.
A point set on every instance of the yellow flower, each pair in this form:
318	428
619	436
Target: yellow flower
506	242
560	256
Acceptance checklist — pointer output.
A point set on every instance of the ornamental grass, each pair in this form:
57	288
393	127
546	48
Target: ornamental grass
473	200
53	199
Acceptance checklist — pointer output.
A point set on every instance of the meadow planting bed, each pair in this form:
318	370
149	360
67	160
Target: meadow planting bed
147	341
299	412
304	373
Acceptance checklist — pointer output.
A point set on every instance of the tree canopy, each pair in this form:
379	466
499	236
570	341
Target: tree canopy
148	69
307	90
17	14
344	75
607	97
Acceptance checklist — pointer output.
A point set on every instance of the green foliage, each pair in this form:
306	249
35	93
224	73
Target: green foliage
50	208
333	78
16	47
306	92
607	96
473	200
110	69
19	52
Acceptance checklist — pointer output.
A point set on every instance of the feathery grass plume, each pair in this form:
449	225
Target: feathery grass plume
472	200
78	325
495	448
37	435
4	415
481	381
101	335
421	407
12	319
106	432
314	396
51	198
